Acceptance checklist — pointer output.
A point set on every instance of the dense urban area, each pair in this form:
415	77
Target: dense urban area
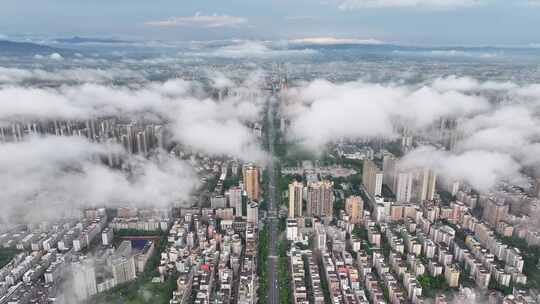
348	226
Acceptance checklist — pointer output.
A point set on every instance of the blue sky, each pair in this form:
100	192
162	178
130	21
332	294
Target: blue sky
427	22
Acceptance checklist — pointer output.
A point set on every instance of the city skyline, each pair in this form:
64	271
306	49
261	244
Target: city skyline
270	152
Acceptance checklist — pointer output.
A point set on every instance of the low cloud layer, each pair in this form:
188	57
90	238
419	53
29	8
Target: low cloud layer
480	168
252	49
496	139
200	20
11	76
465	83
84	101
219	127
432	4
41	183
328	111
328	40
177	103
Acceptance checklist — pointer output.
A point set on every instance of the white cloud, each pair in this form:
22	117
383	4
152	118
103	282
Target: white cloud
499	141
245	49
329	112
199	20
321	112
496	141
56	56
432	4
510	129
530	93
465	83
333	40
219	127
228	137
448	53
41	183
219	80
17	75
176	102
253	49
89	100
481	169
423	106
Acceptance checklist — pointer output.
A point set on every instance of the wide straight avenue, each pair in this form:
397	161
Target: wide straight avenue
272	220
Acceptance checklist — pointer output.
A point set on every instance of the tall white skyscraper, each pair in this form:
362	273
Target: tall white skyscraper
253	212
424	184
123	263
84	280
124	269
235	200
402	188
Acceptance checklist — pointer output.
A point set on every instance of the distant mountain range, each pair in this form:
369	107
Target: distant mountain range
25	48
80	40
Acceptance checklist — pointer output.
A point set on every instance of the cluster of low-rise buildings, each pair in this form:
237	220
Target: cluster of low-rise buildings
70	260
214	263
130	218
